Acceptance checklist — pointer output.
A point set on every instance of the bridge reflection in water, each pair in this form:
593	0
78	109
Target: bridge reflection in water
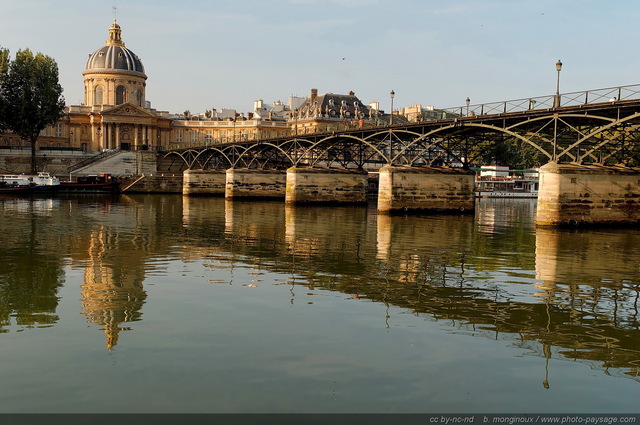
557	294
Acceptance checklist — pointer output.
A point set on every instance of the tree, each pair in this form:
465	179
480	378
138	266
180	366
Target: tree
31	97
4	66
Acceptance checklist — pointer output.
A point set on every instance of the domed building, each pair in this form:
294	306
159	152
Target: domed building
114	74
116	116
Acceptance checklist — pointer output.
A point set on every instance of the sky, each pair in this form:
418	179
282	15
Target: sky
219	54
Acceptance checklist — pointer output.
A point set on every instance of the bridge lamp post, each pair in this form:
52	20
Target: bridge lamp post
556	105
468	102
557	99
392	95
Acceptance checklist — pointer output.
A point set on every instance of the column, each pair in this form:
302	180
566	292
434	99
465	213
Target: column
109	141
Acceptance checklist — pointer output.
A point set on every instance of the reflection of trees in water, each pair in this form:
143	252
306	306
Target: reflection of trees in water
539	289
30	271
110	241
477	274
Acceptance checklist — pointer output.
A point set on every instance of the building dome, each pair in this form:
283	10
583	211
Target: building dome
114	56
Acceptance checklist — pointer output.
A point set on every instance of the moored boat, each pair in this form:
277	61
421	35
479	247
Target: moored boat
41	182
15	184
44	182
101	183
500	182
11	189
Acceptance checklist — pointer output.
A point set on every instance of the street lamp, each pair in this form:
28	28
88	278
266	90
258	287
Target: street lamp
558	68
392	95
555	121
468	102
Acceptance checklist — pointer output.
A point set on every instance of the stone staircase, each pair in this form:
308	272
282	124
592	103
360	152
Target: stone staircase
119	163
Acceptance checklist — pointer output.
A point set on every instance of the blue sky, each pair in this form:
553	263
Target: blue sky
226	54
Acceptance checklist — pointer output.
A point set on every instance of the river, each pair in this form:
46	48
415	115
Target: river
164	303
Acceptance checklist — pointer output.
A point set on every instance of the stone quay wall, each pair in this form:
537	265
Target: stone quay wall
153	183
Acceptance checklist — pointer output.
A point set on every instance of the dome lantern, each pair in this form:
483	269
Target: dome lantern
115	35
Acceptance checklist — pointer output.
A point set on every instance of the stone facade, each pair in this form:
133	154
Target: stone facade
115	113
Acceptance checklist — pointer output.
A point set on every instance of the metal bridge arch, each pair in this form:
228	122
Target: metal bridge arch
576	130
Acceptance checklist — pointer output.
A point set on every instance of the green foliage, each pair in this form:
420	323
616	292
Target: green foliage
4	67
510	151
31	96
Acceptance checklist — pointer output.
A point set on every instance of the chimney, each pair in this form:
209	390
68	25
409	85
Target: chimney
314	94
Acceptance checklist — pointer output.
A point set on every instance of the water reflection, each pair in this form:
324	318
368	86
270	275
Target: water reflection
112	292
589	283
556	294
28	294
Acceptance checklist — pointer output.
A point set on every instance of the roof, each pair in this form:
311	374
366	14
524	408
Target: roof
329	105
114	56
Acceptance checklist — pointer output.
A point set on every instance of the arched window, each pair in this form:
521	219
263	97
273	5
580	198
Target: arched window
121	95
139	97
97	95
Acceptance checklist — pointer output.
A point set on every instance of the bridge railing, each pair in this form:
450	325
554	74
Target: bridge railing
610	94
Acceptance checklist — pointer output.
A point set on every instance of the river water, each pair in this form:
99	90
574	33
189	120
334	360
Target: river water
163	303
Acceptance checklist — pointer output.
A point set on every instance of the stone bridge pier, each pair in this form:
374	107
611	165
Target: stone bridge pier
326	185
243	183
425	189
401	189
572	194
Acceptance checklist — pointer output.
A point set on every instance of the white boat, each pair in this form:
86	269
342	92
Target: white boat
41	182
14	184
500	182
44	179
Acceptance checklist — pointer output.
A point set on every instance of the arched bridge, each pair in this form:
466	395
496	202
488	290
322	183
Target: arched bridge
596	127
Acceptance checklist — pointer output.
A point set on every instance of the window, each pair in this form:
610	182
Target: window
139	97
121	95
97	96
194	135
207	137
178	136
58	130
